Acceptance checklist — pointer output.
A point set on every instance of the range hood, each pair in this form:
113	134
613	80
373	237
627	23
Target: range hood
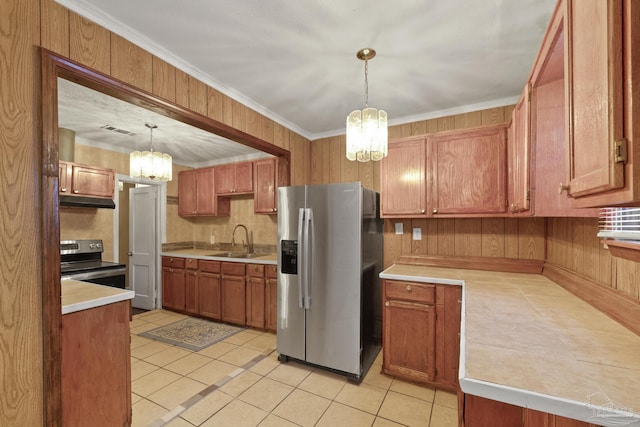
86	202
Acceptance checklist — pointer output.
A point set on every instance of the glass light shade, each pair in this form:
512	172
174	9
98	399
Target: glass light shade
150	165
367	135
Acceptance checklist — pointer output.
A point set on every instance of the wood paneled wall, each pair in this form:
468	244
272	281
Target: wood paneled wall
73	36
21	338
572	243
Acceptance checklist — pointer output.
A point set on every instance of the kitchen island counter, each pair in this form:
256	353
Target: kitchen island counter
77	295
528	342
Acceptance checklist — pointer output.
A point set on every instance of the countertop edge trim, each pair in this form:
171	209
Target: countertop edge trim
222	259
98	302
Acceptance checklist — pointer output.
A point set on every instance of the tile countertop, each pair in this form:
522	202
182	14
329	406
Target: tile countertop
204	254
527	341
77	295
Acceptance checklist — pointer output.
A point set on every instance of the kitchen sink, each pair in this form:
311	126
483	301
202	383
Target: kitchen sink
235	255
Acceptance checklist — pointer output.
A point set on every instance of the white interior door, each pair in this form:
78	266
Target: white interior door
142	245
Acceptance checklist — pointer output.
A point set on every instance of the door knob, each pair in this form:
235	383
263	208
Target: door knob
386	304
130	253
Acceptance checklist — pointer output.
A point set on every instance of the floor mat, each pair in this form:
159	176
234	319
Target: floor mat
192	334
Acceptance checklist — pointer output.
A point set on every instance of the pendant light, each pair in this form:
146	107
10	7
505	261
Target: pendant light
366	128
150	164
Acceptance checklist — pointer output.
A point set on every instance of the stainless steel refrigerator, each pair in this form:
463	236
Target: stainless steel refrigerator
329	257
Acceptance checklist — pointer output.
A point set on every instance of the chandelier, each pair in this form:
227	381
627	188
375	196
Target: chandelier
150	164
366	128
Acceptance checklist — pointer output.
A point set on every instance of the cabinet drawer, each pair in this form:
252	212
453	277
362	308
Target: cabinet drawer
255	270
191	263
209	266
172	262
410	291
233	269
271	271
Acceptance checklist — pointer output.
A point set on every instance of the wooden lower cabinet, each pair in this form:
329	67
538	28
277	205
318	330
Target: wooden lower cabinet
255	302
173	283
421	325
271	298
477	411
191	284
96	366
209	293
233	293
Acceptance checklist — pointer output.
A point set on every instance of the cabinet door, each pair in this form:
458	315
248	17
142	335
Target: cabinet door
448	312
271	304
264	196
191	291
173	287
409	339
205	197
244	177
209	295
403	189
255	302
64	173
233	299
467	171
90	181
519	148
481	412
187	193
593	42
225	180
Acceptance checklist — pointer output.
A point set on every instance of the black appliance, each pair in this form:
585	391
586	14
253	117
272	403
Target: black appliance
82	260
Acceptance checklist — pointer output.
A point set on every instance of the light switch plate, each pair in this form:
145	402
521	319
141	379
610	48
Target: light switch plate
398	228
417	233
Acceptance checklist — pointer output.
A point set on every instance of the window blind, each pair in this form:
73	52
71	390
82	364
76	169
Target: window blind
620	223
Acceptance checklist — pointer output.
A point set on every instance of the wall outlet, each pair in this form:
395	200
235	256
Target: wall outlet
212	239
417	234
398	227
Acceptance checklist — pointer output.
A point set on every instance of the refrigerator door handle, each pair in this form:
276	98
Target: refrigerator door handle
300	256
309	243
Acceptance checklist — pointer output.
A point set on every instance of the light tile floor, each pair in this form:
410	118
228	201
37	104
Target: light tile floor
223	386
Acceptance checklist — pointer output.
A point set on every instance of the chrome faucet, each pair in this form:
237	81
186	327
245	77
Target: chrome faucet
246	243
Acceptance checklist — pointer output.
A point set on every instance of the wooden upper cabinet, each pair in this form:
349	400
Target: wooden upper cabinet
82	180
196	194
519	146
595	95
467	171
264	175
234	178
403	185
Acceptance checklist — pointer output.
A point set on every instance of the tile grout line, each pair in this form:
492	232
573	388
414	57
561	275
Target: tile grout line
210	389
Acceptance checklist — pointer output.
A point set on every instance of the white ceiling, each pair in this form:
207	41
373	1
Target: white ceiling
294	61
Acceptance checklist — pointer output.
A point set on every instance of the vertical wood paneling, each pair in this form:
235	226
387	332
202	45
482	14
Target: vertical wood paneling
446	236
365	174
89	43
468	120
300	150
227	111
432	236
267	129
254	124
591	249
468	237
164	79
418	128
531	235
131	64
493	237
21	294
336	153
280	137
182	88
419	246
493	116
392	243
214	104
578	255
446	123
511	237
317	158
198	96
55	27
239	120
628	277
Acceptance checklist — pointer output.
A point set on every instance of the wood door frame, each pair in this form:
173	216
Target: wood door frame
54	66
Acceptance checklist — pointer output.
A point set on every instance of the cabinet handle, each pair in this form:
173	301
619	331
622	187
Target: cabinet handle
435	210
513	207
409	288
63	189
459	301
386	304
75	191
563	188
421	210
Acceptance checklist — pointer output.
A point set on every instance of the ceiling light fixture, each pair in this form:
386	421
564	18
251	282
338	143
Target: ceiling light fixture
150	164
366	128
